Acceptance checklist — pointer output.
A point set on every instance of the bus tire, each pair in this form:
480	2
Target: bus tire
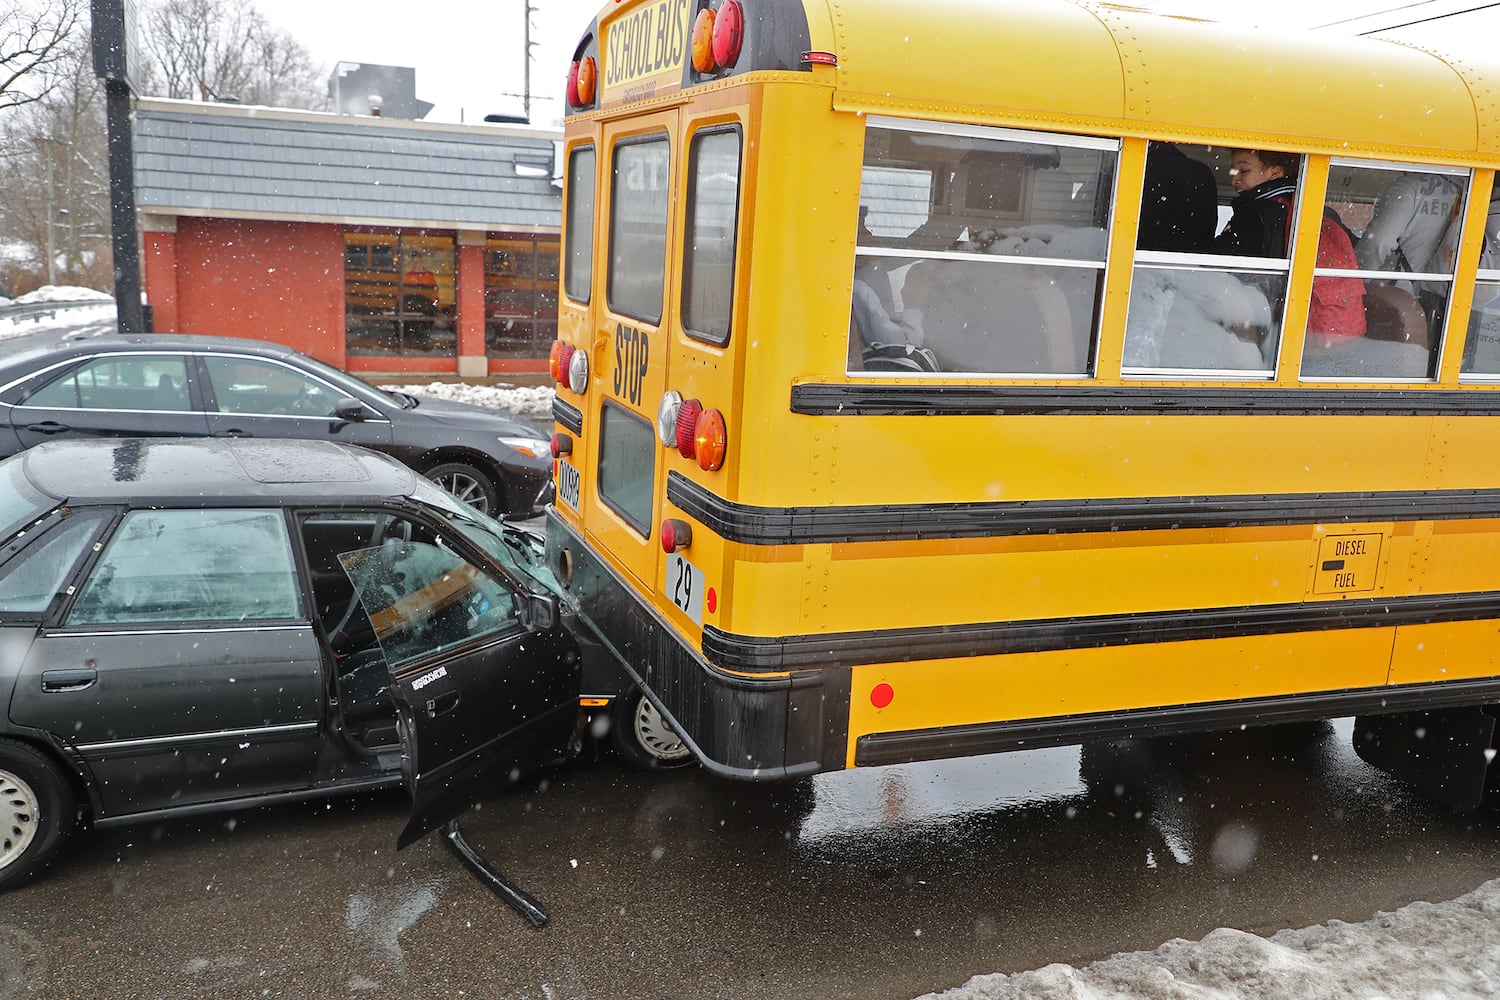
642	738
37	812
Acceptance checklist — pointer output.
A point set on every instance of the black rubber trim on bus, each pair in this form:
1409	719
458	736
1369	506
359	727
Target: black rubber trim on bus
948	400
746	727
1028	734
737	522
824	650
568	415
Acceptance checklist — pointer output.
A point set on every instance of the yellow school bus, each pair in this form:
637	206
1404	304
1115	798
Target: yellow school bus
942	379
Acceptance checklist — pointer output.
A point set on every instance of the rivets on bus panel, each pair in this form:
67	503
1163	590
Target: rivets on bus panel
882	695
676	534
578	371
666	418
562	445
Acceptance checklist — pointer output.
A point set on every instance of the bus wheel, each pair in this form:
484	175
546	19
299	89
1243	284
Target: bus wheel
642	738
36	813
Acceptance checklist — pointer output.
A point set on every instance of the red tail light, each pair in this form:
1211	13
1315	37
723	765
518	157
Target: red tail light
583	80
675	534
558	359
561	445
728	33
687	423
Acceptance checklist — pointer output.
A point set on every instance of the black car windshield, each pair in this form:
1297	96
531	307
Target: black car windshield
511	547
20	502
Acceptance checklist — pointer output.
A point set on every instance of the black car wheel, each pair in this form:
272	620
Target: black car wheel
642	738
36	813
468	484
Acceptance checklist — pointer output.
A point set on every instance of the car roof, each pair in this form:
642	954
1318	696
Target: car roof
212	471
20	354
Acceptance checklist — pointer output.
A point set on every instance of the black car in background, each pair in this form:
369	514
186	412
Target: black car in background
195	626
176	385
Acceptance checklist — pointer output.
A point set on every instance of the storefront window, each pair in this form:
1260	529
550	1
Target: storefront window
399	294
520	295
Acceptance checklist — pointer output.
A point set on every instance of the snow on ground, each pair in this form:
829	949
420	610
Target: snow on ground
63	293
524	401
1423	951
85	317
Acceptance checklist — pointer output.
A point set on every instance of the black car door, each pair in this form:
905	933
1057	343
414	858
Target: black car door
186	670
111	395
484	676
263	397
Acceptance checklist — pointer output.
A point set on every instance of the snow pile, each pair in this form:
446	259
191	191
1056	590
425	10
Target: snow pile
1186	319
1423	951
524	401
91	318
63	293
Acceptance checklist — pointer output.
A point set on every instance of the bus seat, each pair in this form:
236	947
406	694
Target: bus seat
1057	323
1393	313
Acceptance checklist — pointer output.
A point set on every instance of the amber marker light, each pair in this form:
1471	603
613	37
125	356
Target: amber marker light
710	440
703	43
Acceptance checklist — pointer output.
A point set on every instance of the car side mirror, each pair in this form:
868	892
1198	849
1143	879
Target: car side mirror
541	612
349	409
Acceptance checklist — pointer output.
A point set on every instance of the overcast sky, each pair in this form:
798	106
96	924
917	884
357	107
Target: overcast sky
467	53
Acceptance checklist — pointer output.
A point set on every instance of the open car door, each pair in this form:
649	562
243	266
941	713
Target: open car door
483	673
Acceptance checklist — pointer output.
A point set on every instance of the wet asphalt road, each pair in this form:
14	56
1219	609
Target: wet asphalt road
886	883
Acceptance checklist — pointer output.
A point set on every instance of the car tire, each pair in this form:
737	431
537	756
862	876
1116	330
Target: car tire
36	812
469	484
642	738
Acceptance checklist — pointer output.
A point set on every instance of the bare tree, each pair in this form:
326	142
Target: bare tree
55	176
220	50
32	39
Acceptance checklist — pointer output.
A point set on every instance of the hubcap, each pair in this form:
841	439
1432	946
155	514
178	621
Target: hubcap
655	736
18	817
466	488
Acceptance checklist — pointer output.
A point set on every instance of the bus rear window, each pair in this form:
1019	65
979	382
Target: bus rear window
638	198
578	271
708	257
627	456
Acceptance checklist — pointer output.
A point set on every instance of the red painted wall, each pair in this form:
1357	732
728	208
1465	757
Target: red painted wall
277	281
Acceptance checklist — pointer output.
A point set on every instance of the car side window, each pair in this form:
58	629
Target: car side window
254	386
36	574
127	382
192	565
422	597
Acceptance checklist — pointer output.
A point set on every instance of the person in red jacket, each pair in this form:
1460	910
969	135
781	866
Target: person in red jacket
1260	225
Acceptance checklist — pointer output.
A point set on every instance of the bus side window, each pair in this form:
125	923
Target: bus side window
985	247
1401	215
712	214
1482	348
1206	292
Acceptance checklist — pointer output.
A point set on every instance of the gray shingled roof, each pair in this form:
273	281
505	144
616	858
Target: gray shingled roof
207	159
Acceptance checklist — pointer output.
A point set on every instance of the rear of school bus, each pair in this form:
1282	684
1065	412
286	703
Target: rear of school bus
808	566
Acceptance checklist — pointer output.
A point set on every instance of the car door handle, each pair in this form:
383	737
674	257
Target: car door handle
48	427
69	679
442	704
233	432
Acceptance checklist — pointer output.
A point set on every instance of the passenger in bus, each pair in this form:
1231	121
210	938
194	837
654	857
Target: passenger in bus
875	324
1260	226
1412	216
1179	202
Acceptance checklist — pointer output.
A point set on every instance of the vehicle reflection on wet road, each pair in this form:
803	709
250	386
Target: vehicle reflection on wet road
885	883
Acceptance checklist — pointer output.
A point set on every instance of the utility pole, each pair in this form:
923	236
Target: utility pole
114	62
526	63
47	146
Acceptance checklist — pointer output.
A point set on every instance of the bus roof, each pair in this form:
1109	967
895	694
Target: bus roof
1078	65
1122	69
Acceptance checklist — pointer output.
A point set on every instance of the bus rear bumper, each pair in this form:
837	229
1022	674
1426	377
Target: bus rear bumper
745	727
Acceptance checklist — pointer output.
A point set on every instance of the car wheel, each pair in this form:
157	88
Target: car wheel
468	484
36	812
642	738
